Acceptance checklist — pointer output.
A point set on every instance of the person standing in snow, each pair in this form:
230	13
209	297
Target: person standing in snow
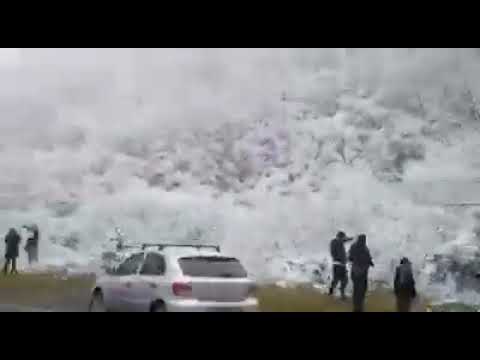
12	242
339	257
32	244
359	256
404	286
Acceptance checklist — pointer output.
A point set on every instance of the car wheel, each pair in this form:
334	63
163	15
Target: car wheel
96	303
158	306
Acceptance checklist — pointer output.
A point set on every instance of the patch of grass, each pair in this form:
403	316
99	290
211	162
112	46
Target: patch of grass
308	299
72	293
46	291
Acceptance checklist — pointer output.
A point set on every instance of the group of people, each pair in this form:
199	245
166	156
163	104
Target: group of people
12	245
361	261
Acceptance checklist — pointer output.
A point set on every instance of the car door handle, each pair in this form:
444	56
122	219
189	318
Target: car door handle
152	285
128	285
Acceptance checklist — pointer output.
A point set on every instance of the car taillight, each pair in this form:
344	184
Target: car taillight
182	289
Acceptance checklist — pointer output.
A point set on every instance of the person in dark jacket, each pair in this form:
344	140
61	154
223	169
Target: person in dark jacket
404	286
339	257
32	244
12	242
359	256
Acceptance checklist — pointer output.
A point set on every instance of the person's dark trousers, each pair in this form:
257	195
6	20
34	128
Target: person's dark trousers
14	266
32	255
32	252
339	276
404	303
7	264
360	287
5	267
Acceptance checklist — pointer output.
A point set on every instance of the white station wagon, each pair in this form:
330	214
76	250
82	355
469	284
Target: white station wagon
169	278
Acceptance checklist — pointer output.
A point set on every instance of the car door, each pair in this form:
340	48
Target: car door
150	277
123	292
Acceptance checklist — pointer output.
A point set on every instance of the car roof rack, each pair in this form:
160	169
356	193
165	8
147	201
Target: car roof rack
197	246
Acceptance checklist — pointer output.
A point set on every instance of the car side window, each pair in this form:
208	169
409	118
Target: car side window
130	265
154	265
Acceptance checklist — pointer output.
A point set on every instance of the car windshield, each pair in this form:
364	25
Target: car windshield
212	266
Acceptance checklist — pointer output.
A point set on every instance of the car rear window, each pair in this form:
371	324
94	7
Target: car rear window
212	266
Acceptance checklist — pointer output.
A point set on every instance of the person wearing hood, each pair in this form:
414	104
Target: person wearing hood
339	257
12	242
359	256
32	244
404	285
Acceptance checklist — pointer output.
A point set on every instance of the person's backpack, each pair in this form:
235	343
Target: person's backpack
405	281
405	275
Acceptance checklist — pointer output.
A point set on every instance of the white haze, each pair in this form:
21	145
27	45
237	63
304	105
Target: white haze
91	127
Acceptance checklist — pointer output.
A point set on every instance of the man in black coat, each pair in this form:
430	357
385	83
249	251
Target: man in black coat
339	257
404	286
361	260
12	243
